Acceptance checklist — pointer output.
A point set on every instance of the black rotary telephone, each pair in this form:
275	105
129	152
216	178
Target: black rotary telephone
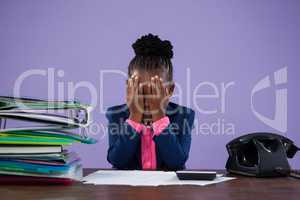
260	155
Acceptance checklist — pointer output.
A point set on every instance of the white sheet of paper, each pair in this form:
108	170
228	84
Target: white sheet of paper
144	178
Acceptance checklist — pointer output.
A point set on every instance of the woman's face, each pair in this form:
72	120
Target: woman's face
144	79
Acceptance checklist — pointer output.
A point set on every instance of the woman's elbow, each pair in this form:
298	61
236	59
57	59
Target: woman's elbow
115	161
178	163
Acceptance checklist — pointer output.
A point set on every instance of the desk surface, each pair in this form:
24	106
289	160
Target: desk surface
241	188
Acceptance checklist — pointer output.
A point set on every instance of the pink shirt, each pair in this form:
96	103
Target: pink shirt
148	152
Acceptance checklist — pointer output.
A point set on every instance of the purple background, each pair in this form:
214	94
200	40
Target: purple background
220	41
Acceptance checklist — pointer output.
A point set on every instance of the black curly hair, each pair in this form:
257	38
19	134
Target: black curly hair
152	53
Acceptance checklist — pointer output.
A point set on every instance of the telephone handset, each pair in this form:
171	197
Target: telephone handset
260	155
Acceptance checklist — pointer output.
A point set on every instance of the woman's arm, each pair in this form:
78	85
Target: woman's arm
123	143
174	149
123	136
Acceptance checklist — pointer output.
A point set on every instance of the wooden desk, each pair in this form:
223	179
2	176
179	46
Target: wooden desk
241	188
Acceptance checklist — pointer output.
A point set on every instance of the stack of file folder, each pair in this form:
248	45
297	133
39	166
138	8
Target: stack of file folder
33	134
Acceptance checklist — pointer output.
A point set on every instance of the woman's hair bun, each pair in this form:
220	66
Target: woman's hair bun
152	45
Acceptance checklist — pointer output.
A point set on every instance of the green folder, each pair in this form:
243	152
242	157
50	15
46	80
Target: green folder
50	135
33	110
33	140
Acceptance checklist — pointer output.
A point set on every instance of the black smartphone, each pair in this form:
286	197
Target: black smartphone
196	175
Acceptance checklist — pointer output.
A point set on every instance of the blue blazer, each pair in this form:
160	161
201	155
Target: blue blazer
172	145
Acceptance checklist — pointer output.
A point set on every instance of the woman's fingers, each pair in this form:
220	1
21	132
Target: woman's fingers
140	102
153	87
162	88
157	86
140	92
129	83
161	91
129	90
135	84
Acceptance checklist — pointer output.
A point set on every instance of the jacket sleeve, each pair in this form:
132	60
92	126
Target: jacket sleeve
123	142
174	146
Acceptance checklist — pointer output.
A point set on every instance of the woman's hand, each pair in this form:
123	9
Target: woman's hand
135	99
159	98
